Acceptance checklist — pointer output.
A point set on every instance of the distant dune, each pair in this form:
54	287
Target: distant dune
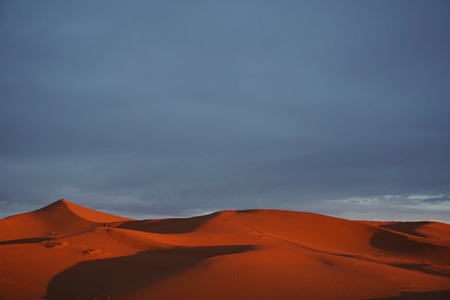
67	251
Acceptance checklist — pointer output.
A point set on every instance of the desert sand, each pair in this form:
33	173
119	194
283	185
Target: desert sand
67	251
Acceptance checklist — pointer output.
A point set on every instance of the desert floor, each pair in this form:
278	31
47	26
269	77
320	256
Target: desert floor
67	251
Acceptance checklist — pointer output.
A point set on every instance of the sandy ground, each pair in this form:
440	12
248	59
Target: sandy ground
66	251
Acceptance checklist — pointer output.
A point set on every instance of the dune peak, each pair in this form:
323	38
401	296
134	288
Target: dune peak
64	206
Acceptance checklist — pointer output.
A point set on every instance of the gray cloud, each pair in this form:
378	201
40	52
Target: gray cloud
180	107
393	207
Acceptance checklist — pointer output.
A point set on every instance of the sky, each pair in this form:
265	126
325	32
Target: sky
152	109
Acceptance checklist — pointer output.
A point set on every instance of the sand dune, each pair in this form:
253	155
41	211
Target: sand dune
66	251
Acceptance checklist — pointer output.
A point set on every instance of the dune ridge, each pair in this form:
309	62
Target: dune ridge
67	251
56	219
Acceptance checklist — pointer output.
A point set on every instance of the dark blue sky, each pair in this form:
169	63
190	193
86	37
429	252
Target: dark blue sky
167	108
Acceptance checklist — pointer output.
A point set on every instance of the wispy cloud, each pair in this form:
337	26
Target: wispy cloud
396	207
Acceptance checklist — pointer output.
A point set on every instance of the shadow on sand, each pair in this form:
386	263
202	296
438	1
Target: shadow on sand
437	295
407	227
25	241
168	226
392	241
97	277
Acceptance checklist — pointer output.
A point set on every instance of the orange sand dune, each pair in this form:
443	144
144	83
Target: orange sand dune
66	251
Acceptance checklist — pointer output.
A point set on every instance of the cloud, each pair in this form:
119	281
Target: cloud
202	106
396	207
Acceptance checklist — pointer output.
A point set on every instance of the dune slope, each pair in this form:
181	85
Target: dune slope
66	251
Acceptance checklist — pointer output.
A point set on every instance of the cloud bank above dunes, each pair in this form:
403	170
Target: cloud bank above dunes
177	109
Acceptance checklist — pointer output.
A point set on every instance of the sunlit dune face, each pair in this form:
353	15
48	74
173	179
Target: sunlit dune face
66	251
